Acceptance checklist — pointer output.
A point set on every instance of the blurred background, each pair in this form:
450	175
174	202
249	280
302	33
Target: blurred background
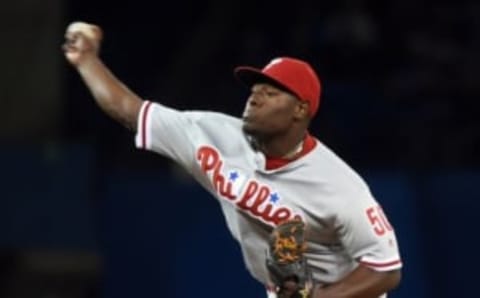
83	214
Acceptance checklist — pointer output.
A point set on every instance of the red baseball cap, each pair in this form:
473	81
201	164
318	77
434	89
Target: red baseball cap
293	75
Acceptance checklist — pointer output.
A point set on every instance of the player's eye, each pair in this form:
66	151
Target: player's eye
271	93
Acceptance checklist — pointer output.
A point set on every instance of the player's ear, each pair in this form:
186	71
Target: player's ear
301	110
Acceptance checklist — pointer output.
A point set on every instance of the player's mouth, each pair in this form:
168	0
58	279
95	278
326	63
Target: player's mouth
248	117
248	114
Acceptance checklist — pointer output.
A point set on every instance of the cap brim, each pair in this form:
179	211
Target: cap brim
249	76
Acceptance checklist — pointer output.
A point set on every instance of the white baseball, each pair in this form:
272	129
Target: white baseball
85	28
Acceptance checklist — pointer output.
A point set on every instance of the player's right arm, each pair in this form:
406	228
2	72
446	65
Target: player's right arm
81	48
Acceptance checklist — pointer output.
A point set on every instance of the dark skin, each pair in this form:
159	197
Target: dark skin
112	96
275	119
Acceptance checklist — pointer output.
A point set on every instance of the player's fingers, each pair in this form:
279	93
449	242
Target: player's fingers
75	37
68	47
77	41
70	38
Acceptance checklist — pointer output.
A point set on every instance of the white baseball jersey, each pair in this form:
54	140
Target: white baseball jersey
345	224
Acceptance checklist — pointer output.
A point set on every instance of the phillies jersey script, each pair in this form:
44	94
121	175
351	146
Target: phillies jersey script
345	225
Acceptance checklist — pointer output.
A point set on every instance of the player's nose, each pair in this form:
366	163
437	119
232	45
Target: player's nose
254	99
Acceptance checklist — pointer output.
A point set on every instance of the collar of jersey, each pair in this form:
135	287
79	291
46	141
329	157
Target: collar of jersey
273	163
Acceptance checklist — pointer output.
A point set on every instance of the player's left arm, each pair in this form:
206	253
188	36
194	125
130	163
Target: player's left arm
370	239
363	282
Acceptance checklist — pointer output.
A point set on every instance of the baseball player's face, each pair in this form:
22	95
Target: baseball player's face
269	111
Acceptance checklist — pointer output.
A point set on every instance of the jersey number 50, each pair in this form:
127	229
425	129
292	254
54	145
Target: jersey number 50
379	221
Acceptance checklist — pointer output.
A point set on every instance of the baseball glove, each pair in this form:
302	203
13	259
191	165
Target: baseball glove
285	260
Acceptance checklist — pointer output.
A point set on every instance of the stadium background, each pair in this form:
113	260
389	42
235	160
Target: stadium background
84	214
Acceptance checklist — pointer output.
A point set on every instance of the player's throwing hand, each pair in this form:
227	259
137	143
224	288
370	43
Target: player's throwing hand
82	41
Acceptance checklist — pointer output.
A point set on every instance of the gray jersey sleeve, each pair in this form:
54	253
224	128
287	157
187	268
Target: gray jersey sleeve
166	131
367	234
177	134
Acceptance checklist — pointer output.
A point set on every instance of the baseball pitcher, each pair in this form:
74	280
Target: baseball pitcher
307	224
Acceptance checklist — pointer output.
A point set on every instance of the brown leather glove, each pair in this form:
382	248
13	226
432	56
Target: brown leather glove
285	260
